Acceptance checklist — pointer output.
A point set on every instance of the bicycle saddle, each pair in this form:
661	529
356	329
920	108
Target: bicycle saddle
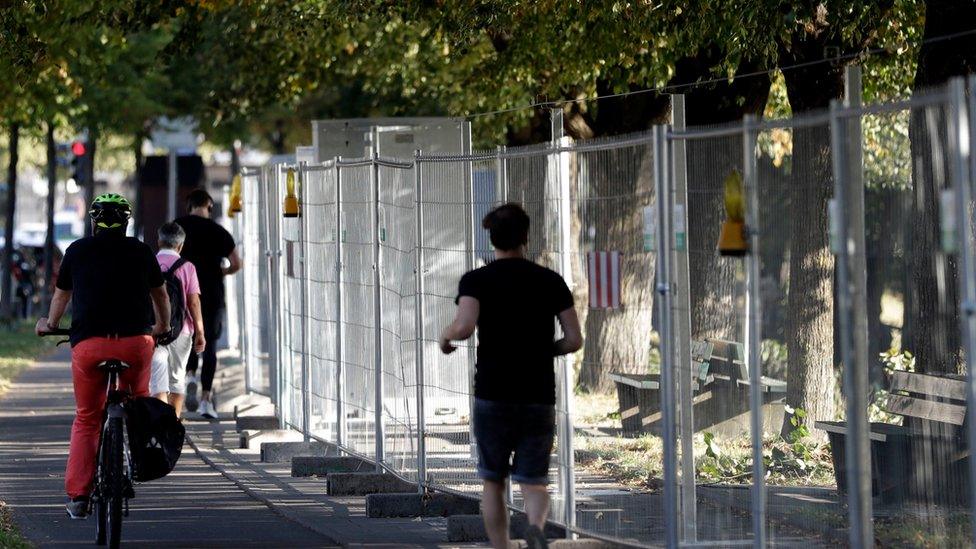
113	365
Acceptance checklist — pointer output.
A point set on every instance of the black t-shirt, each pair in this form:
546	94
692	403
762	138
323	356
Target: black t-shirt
518	303
110	276
206	244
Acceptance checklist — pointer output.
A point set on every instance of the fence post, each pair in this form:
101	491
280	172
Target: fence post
855	207
244	314
268	319
963	107
378	428
682	327
754	329
858	459
340	380
854	220
419	323
270	250
662	194
501	172
469	227
565	427
306	333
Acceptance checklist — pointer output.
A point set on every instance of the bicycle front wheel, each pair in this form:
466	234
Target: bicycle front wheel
116	482
101	519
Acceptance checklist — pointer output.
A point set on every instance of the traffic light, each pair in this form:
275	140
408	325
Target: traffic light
78	150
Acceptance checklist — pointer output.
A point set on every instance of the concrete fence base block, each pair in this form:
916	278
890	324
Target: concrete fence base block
471	528
310	466
253	438
257	423
417	505
361	484
280	452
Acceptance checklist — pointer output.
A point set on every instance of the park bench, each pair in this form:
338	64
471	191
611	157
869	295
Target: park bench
720	392
925	458
728	362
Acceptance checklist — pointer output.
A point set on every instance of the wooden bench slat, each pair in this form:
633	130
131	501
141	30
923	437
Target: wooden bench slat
926	409
878	432
940	386
630	379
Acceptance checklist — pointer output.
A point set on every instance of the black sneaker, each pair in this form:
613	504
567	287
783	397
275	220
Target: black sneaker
535	539
191	402
77	508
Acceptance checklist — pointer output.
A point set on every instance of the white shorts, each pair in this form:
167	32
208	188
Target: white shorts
169	366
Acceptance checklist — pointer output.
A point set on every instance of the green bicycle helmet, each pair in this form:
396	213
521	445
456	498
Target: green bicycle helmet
110	211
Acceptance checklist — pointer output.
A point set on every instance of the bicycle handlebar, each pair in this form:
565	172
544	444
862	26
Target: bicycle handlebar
57	332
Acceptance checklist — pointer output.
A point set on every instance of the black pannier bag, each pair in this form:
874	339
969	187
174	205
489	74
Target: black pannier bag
155	437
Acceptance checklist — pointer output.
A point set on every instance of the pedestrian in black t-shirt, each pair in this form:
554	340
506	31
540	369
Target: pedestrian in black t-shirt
207	244
514	302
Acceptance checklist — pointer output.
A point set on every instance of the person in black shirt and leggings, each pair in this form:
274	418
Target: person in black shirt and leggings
207	244
514	303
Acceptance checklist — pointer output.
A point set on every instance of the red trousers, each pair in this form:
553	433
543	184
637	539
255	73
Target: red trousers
90	391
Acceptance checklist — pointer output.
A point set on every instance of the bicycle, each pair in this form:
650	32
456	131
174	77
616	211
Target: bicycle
113	486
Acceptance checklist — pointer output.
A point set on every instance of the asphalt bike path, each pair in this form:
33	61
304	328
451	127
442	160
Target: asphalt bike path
195	506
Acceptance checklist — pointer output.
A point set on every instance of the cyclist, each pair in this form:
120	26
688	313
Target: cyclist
114	285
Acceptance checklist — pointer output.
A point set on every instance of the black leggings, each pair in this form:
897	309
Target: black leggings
213	321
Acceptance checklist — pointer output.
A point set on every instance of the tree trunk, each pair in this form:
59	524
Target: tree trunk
710	161
619	185
137	223
810	301
89	184
932	296
277	137
6	277
618	340
610	191
52	189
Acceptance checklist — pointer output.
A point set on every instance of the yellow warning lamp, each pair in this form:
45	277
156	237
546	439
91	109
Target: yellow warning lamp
733	238
235	206
290	206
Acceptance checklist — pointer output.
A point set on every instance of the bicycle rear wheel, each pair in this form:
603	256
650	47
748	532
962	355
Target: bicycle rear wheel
114	492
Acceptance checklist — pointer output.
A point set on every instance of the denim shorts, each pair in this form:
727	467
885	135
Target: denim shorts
514	438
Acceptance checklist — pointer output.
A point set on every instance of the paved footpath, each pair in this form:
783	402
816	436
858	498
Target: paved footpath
195	506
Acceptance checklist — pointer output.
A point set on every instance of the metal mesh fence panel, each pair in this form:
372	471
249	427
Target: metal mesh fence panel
447	254
398	240
357	289
533	179
794	177
291	345
612	273
321	235
719	392
914	352
255	284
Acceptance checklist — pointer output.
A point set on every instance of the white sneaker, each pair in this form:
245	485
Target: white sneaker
207	409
